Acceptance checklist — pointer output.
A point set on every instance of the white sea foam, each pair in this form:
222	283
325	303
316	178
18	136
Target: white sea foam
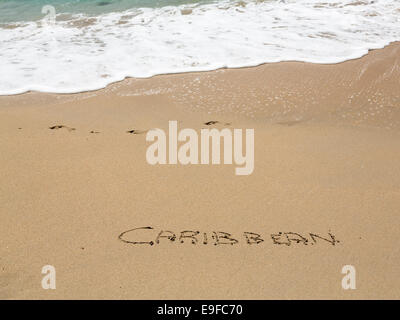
80	53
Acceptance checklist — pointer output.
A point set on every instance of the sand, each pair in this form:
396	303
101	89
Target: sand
327	160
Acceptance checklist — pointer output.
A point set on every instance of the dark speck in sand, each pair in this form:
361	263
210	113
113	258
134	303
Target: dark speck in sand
134	131
209	123
60	127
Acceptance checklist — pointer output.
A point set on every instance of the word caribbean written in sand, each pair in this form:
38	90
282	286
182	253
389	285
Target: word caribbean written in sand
151	236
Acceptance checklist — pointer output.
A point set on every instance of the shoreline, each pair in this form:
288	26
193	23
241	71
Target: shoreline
361	92
127	78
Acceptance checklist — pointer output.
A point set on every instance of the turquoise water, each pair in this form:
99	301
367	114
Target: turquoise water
30	10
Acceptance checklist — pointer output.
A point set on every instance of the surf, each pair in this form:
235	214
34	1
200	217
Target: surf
84	51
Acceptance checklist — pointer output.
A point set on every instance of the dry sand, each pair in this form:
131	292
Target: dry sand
327	159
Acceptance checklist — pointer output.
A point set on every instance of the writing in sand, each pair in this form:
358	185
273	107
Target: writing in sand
151	236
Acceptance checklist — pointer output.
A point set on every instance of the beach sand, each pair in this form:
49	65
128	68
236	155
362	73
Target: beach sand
327	160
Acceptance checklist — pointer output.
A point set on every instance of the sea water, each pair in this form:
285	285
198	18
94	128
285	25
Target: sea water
67	46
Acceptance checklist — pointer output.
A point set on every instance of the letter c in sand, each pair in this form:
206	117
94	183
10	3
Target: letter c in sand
121	236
